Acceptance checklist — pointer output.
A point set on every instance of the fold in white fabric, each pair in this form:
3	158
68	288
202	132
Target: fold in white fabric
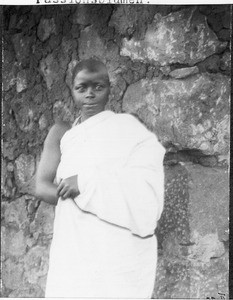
104	243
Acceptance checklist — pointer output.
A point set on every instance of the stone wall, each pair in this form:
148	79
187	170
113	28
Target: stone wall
169	66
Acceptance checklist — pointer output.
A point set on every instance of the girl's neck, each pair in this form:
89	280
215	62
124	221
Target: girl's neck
85	115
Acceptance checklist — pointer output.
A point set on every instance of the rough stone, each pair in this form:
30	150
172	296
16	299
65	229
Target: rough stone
189	114
182	279
68	48
174	218
149	74
97	15
46	28
126	20
210	279
91	45
224	34
205	247
123	20
205	9
80	16
49	68
184	72
38	96
21	81
215	21
12	22
225	62
25	116
209	205
54	42
12	274
58	91
25	21
221	9
118	89
36	264
223	160
165	70
43	222
7	187
15	213
75	31
32	206
42	282
3	173
29	292
13	242
114	106
43	123
173	279
186	43
226	18
22	46
211	64
24	170
63	111
9	68
29	186
134	71
10	167
195	266
208	161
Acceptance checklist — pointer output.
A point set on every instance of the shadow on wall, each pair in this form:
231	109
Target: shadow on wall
169	66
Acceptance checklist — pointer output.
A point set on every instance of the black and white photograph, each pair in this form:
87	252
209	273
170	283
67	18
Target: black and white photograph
115	149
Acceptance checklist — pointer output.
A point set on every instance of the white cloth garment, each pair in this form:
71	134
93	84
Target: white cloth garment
104	244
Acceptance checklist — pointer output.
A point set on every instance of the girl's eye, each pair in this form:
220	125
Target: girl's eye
80	89
99	87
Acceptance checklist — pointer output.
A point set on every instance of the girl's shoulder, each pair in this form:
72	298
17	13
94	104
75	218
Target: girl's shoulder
57	131
61	126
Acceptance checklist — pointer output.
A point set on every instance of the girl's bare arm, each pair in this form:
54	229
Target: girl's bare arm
46	190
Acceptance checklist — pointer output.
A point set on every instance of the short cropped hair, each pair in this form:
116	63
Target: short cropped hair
92	65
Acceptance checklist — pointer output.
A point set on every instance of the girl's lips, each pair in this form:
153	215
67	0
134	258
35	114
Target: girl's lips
90	104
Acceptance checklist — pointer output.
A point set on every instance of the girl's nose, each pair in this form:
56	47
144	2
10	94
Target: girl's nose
90	93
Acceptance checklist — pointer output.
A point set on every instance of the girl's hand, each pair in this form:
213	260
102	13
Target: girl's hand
68	188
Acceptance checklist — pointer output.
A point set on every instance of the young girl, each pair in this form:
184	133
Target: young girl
109	196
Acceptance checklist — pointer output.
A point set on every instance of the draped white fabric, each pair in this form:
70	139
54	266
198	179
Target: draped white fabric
104	244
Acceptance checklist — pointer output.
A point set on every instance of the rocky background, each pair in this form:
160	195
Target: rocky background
169	66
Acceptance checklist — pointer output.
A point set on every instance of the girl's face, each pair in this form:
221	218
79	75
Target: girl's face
90	92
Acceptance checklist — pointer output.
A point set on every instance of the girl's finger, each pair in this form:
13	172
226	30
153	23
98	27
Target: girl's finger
60	187
67	195
63	191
